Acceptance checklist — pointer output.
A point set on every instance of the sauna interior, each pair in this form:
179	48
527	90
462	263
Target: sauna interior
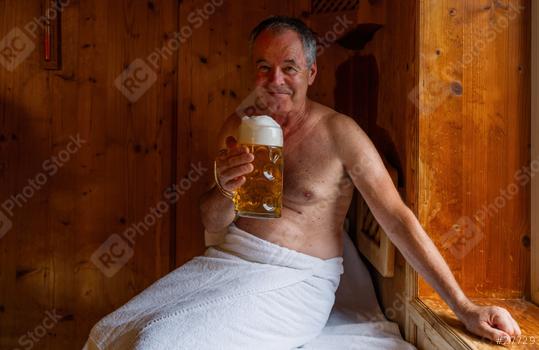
443	88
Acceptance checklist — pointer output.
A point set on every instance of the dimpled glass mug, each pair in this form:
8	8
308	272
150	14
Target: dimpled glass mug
261	194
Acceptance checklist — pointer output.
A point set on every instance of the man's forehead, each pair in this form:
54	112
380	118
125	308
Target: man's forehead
286	45
289	60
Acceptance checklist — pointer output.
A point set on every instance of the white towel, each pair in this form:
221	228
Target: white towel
245	293
356	321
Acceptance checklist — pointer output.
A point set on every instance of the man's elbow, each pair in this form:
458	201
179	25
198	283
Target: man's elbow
401	222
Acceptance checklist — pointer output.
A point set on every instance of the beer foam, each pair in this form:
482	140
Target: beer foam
260	130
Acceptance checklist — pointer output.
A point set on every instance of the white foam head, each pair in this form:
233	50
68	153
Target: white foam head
260	130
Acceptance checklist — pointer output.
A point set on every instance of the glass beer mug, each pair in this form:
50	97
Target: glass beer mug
261	194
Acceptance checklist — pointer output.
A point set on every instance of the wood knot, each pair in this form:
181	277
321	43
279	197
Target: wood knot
526	241
456	88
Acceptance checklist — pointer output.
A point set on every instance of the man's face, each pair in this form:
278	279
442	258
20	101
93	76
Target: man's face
282	74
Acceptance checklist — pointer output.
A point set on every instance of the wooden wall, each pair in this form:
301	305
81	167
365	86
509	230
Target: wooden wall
110	183
535	155
474	137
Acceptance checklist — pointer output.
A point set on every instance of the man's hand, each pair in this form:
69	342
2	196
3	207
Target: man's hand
234	165
492	322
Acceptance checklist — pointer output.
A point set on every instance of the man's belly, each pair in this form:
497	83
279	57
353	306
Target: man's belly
304	232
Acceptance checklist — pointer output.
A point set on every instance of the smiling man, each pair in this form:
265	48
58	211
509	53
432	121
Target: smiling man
323	150
271	284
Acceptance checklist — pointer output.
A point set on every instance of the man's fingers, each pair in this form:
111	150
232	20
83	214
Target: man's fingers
233	184
496	335
240	159
233	173
233	163
504	322
518	332
494	323
514	323
225	163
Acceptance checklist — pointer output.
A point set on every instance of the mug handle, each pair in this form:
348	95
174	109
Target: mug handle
225	193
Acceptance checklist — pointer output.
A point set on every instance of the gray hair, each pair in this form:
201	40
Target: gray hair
279	23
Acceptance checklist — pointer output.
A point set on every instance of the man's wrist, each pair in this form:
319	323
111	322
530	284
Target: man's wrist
219	193
463	306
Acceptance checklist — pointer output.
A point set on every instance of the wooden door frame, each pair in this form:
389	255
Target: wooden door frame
535	154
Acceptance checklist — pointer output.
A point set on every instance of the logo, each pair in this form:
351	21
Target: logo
15	47
5	224
462	237
112	255
135	80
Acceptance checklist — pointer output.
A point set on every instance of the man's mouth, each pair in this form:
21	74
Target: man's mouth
273	92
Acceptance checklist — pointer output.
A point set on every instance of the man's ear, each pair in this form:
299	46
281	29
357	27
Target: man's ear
312	73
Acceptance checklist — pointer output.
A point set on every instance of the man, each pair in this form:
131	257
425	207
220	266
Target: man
323	149
271	284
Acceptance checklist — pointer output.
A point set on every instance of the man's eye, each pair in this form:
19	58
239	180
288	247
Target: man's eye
264	69
290	70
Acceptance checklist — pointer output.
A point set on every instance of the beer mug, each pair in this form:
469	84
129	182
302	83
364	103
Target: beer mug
261	194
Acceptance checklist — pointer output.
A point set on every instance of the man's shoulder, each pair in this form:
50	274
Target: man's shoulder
348	138
339	125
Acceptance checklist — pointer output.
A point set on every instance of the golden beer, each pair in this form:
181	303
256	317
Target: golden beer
261	194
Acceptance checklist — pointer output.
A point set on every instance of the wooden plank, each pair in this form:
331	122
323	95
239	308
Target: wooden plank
426	324
447	325
535	155
474	127
192	145
26	266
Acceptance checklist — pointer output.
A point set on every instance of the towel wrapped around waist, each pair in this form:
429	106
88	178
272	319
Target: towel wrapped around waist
244	293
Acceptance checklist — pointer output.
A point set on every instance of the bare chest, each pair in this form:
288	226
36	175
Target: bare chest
312	171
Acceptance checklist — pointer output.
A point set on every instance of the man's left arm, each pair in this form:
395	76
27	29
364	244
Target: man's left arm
369	175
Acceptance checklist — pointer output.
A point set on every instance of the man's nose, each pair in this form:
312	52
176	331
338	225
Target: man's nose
276	76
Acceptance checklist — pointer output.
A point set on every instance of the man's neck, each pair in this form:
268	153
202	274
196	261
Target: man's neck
293	120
